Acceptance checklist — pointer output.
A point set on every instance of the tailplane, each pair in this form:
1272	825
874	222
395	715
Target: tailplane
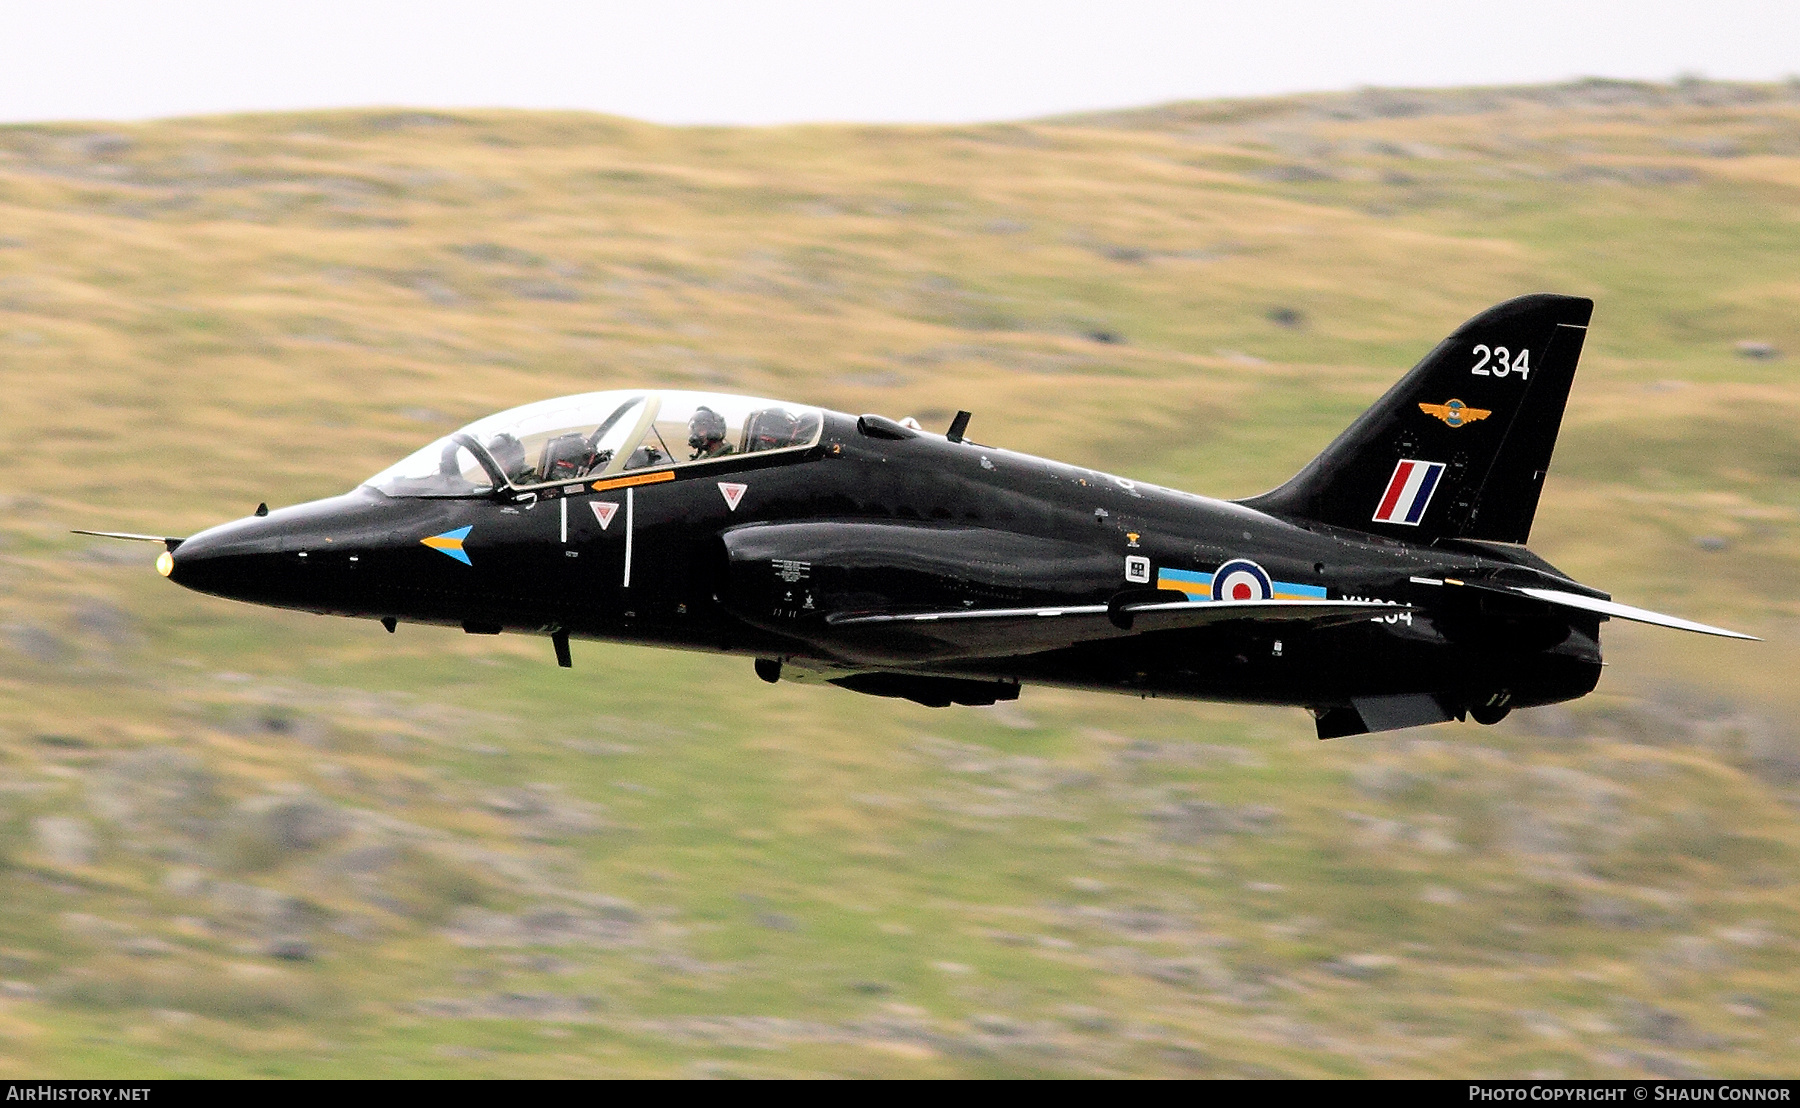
1459	448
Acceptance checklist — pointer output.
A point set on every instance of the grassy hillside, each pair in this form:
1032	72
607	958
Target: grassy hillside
244	842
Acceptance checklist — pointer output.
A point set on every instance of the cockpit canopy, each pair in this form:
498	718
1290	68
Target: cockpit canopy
598	434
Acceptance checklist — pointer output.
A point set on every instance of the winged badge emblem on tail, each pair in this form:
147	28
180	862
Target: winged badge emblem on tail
1455	412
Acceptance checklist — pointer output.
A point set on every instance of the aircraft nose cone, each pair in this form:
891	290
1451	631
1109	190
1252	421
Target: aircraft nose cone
222	560
312	556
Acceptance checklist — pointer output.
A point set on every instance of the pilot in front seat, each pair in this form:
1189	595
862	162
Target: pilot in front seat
509	454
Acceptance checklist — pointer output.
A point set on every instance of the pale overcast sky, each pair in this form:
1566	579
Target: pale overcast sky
695	61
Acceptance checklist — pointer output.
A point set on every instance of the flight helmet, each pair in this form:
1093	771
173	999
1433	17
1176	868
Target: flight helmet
706	430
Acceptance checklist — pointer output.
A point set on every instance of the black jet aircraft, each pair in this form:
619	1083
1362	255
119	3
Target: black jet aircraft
1386	585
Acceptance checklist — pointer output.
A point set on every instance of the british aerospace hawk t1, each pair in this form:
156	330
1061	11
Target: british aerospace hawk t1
1386	585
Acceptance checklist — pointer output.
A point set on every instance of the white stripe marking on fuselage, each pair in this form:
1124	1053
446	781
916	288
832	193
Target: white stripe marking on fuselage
630	502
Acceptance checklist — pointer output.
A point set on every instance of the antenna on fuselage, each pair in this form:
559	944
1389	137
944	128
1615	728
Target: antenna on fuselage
958	426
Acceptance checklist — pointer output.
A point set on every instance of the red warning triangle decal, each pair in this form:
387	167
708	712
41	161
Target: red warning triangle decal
603	511
733	493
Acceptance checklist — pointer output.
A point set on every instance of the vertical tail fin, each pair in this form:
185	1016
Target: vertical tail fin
1460	446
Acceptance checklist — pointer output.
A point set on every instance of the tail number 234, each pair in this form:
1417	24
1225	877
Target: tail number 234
1497	361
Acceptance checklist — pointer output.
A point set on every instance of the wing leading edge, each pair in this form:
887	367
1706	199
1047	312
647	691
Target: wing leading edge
999	632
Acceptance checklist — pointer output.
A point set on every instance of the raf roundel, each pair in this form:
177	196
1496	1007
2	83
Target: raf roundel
1242	579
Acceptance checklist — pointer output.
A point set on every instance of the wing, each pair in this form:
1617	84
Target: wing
1005	632
834	586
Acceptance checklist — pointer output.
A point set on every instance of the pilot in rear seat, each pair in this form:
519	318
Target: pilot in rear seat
772	429
706	434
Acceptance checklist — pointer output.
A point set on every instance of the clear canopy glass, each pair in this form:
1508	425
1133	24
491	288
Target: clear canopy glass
593	435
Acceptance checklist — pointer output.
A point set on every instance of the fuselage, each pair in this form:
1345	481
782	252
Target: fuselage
748	554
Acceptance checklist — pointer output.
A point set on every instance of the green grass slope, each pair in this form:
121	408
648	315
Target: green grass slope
240	842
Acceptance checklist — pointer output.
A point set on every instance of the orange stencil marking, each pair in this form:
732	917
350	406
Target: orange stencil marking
635	479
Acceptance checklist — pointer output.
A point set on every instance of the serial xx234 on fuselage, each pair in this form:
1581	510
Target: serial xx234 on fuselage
1386	585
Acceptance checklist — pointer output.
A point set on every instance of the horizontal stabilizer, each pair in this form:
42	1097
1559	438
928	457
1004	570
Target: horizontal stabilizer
1002	632
1626	611
166	540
